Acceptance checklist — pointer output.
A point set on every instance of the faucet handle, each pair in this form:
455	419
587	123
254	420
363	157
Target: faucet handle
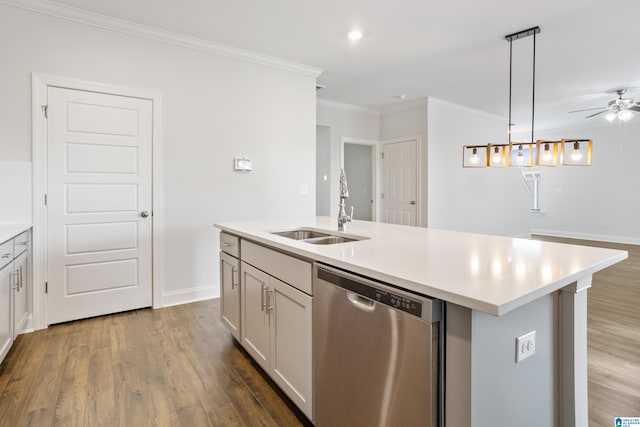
351	214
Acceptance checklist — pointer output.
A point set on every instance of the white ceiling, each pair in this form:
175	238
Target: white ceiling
453	50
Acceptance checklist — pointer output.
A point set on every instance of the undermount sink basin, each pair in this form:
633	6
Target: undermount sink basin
317	237
330	240
300	234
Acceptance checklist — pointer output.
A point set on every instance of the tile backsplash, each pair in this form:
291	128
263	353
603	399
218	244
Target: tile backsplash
15	192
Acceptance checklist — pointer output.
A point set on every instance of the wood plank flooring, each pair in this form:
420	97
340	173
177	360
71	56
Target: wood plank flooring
175	366
178	366
613	307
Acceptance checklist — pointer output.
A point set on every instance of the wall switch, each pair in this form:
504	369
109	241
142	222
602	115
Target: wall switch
525	346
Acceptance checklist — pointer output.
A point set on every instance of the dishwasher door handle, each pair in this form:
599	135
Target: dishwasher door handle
361	302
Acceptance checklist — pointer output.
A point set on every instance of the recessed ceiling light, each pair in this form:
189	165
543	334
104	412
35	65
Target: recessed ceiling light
355	35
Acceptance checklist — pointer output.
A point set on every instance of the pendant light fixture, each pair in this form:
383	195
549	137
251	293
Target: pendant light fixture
534	152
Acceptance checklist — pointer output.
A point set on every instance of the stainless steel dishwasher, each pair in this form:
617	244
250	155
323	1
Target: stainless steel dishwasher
375	352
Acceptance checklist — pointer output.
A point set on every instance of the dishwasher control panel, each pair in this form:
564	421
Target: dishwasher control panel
375	293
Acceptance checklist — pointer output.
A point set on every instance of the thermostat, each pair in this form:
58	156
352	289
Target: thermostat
242	164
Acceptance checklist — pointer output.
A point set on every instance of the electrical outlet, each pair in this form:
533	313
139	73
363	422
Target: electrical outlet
525	346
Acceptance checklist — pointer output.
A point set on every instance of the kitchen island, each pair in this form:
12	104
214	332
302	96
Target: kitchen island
495	289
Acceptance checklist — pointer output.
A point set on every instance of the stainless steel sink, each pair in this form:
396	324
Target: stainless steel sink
301	234
317	237
330	240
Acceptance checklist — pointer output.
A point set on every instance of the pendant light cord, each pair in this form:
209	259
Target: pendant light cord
510	78
533	93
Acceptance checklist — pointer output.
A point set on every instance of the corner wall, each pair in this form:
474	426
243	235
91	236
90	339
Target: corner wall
411	120
349	121
489	200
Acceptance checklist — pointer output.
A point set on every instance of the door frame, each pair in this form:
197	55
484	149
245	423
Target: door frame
39	85
376	210
418	141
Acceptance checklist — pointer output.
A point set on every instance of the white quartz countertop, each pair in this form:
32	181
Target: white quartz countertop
9	231
491	274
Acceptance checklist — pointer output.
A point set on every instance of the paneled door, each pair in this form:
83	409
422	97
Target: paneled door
98	204
399	183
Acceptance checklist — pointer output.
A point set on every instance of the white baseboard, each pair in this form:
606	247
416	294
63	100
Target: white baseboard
185	296
587	236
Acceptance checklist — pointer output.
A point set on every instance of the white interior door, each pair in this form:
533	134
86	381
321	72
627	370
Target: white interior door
98	204
400	183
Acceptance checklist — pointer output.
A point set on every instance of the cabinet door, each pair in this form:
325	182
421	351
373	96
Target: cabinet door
6	314
291	343
230	293
20	309
255	317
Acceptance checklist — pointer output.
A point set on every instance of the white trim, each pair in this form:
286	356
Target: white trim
377	170
419	200
74	14
405	106
185	296
342	106
586	236
39	83
465	108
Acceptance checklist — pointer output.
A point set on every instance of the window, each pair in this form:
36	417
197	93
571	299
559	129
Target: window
532	180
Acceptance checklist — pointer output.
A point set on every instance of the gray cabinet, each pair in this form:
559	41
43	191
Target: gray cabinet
14	290
230	284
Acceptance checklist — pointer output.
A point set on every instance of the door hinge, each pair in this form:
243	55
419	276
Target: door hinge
45	200
382	154
46	287
45	110
382	195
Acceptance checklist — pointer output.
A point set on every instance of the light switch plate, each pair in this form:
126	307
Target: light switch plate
525	346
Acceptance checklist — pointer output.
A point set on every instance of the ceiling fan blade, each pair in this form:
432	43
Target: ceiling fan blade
634	108
588	109
599	112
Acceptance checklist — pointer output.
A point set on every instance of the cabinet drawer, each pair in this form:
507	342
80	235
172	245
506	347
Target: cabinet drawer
229	244
6	253
293	271
20	243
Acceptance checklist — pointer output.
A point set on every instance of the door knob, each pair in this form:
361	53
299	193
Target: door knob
144	214
413	202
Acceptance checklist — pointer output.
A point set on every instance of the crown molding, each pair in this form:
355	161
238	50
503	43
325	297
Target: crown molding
74	14
465	108
347	107
402	106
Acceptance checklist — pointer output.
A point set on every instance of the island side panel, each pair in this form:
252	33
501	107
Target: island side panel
457	366
484	386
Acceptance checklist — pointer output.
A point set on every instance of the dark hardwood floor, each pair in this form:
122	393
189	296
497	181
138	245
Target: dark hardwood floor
174	366
178	366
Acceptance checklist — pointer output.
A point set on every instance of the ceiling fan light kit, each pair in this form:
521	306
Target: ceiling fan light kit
620	108
532	153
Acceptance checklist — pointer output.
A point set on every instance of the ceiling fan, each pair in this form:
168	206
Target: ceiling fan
622	108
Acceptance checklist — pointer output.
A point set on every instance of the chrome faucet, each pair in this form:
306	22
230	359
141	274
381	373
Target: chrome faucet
343	218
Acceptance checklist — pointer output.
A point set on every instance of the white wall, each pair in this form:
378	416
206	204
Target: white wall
410	120
601	202
489	200
215	108
15	192
344	121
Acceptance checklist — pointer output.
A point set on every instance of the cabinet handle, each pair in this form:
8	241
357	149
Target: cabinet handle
226	245
270	299
21	243
21	281
234	273
7	255
14	280
262	303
